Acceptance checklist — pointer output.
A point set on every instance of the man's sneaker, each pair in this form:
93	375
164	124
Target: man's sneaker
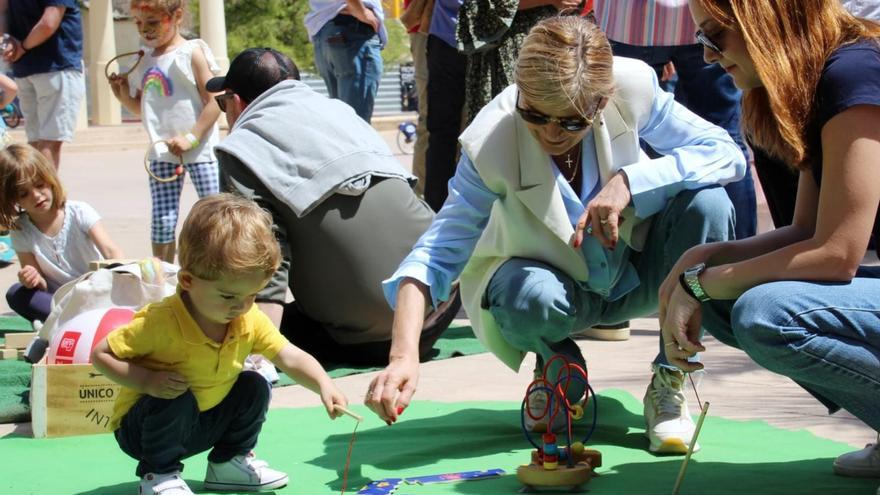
614	333
863	463
668	424
243	473
163	484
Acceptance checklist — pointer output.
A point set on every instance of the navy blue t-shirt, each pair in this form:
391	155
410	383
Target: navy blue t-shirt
851	77
63	50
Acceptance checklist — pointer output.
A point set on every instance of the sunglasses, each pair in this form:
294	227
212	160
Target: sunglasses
570	124
221	100
706	41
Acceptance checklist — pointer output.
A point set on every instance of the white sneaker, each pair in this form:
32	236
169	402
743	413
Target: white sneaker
668	423
163	484
243	473
863	463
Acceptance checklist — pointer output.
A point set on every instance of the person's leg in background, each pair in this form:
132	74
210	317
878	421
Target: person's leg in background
58	98
446	94
779	184
166	205
418	45
348	57
359	69
709	92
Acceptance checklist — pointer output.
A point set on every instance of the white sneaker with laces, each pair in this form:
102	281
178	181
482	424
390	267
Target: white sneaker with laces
668	423
163	484
243	473
863	463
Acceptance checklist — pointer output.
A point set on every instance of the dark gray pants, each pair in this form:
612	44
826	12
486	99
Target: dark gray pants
159	433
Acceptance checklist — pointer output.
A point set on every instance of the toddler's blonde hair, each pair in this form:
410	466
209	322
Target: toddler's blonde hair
227	235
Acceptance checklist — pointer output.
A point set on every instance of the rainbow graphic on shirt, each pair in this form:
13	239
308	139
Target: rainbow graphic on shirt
156	80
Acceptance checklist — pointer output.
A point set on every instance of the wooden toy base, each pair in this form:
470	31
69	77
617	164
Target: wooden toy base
535	476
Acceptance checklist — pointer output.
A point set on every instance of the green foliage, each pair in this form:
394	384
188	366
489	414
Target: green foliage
279	24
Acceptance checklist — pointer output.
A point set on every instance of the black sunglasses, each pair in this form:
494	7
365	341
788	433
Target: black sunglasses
570	124
706	41
221	100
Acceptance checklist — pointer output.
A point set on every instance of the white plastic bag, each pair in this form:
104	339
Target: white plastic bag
131	285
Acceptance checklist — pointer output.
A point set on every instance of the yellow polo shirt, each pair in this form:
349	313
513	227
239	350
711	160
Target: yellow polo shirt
163	336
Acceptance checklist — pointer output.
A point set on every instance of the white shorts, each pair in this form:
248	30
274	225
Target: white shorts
50	104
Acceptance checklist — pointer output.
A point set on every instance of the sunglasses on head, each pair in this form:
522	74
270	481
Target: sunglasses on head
221	100
570	124
706	41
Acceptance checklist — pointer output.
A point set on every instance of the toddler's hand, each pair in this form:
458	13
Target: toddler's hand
119	85
30	277
179	145
165	385
331	397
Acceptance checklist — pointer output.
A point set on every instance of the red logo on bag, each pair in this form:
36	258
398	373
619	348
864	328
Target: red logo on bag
67	347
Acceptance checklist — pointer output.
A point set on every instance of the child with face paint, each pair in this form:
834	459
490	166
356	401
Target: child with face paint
166	90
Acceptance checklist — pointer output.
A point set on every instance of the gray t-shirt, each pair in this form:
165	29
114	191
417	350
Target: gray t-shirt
65	256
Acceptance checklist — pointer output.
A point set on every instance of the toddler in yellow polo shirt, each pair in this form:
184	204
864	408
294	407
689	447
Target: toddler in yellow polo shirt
180	360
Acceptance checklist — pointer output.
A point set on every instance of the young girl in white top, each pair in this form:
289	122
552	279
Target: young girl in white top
55	239
167	90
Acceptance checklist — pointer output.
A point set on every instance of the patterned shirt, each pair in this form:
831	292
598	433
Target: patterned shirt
646	22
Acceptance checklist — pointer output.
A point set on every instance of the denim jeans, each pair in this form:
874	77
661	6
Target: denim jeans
709	92
159	433
824	336
537	306
348	57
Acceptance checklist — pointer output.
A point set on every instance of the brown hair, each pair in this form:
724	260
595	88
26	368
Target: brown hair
225	234
21	168
789	42
166	6
566	61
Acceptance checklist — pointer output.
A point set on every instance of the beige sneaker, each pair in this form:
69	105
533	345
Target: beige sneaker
613	333
668	423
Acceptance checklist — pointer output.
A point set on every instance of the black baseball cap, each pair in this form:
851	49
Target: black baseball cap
253	71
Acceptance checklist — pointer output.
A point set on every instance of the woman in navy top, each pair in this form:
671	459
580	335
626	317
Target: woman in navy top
796	299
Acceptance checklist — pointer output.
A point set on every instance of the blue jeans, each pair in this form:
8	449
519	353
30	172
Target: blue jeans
824	336
538	307
347	55
709	92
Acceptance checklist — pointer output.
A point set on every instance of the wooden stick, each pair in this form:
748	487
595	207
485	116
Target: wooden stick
684	464
345	411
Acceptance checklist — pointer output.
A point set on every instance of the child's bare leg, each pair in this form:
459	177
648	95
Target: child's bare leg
164	252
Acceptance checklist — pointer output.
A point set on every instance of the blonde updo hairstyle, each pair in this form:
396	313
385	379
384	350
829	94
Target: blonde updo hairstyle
566	63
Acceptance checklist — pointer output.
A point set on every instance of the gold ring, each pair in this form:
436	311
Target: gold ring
603	221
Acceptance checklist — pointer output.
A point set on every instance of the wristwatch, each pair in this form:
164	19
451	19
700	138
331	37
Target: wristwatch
691	281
